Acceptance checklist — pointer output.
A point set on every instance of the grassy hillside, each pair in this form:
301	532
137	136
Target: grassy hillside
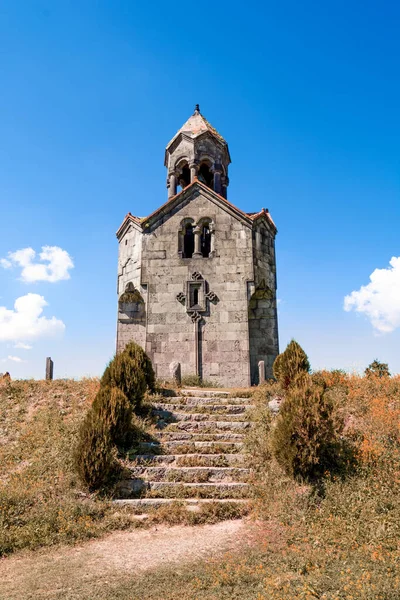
340	541
41	501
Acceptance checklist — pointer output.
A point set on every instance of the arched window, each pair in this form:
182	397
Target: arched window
205	243
205	175
188	242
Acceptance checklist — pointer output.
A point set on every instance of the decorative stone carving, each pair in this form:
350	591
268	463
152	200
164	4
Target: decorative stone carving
211	296
196	275
195	316
181	297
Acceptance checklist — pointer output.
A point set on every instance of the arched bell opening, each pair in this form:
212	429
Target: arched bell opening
183	176
205	175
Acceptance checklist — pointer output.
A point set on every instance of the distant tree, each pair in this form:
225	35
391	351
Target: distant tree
377	369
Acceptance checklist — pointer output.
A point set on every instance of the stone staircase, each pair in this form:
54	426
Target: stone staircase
197	455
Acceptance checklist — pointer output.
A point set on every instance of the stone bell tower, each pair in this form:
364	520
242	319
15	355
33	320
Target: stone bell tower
197	151
197	278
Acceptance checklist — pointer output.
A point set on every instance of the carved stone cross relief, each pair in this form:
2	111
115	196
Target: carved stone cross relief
196	297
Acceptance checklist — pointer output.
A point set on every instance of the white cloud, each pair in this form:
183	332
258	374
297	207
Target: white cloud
16	359
6	264
53	265
23	346
379	300
26	322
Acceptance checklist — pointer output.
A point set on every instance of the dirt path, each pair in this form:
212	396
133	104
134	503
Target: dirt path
48	573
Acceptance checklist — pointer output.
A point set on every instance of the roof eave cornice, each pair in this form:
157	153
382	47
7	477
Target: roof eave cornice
129	220
167	206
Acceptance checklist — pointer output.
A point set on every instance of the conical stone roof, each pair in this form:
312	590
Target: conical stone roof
196	125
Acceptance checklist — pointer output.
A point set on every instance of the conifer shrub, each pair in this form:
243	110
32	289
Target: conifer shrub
115	410
290	364
123	372
93	455
306	439
143	362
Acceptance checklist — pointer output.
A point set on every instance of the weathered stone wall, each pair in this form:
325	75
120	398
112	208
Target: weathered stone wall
263	321
170	331
131	323
240	326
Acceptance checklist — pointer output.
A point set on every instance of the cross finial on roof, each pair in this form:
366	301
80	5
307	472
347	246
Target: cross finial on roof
197	109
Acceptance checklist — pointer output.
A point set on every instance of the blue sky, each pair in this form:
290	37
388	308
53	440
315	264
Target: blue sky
307	96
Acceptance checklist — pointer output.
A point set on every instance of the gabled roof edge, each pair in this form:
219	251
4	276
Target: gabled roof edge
239	213
129	218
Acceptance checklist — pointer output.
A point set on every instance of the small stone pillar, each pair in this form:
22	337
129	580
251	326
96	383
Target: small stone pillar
261	372
172	185
217	181
193	172
197	243
176	375
212	239
49	369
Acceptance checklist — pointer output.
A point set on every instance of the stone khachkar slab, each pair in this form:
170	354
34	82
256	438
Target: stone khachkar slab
261	372
49	369
176	374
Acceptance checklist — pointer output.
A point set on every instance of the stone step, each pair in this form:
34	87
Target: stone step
182	460
129	488
227	436
167	416
190	474
207	426
190	447
204	393
223	409
191	503
202	401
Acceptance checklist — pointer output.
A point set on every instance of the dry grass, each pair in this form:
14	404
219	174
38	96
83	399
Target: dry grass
338	543
41	501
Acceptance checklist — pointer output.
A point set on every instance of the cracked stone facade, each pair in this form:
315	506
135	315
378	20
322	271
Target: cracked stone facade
197	278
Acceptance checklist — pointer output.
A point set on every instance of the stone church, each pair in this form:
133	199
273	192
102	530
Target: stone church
197	278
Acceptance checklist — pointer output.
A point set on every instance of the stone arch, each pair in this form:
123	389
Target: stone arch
182	171
131	317
186	238
205	173
131	305
206	226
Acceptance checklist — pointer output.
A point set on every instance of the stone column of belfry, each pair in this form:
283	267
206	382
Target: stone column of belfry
193	171
197	242
224	186
217	179
172	185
